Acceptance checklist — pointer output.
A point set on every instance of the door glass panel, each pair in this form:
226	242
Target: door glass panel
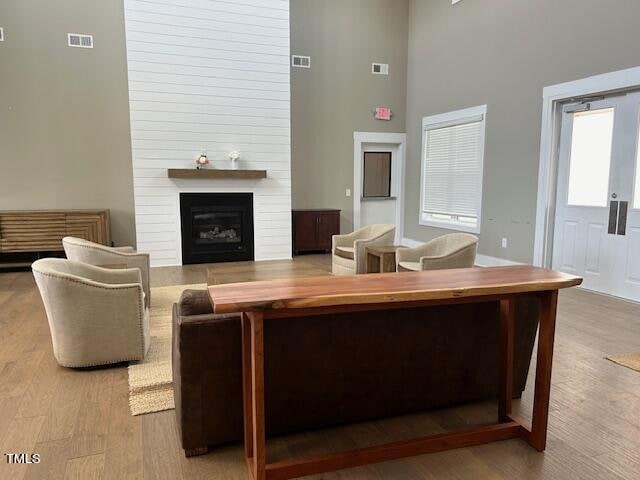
636	190
590	158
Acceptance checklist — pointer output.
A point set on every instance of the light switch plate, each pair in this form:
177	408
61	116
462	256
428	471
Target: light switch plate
380	68
348	192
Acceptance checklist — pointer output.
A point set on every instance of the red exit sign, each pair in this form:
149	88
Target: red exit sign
383	113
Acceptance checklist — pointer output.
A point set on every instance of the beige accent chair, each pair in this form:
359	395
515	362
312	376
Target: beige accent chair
349	255
80	250
96	315
456	250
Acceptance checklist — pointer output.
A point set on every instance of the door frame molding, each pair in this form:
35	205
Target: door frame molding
397	173
552	97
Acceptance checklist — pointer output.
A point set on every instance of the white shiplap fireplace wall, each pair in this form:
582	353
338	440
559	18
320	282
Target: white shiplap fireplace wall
212	76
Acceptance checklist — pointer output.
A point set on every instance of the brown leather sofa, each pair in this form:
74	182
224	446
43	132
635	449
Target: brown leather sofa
341	368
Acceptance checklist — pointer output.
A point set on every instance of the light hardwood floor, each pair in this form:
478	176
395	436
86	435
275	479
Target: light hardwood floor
79	421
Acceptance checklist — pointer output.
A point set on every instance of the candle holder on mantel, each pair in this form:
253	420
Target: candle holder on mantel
234	157
202	161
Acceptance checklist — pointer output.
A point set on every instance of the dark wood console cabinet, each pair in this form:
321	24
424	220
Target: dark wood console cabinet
313	229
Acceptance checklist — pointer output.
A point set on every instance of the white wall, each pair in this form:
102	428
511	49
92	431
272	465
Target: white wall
213	76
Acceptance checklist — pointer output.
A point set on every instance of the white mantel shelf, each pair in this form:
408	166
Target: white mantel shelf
204	173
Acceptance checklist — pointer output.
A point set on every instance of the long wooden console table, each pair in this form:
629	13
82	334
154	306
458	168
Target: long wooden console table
269	300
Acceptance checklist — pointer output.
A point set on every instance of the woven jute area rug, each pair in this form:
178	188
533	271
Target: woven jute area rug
629	360
151	380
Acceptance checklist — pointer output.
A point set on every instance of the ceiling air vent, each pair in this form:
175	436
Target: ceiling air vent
300	61
380	68
79	40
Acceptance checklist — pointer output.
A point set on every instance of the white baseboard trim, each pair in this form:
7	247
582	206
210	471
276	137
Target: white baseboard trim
481	260
273	259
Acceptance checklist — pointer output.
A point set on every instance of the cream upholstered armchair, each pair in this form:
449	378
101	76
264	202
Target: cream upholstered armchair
96	315
80	250
456	250
349	255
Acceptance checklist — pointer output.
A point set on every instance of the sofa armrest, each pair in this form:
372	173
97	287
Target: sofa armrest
207	379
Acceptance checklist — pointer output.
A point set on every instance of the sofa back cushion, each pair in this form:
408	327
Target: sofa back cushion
344	367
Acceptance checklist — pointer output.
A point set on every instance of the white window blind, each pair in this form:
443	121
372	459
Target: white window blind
452	169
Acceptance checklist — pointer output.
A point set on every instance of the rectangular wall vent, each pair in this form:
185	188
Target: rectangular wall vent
300	61
79	40
380	68
1	34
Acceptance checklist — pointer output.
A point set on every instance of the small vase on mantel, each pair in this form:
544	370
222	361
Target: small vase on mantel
234	157
202	161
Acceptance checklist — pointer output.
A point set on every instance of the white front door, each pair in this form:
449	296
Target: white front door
597	225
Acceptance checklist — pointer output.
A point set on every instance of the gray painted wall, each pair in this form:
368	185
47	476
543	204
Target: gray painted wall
338	94
64	112
503	53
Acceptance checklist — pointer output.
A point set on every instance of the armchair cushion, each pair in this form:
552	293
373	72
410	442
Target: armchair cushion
409	266
345	252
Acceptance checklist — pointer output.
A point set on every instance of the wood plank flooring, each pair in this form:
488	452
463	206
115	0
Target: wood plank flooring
79	421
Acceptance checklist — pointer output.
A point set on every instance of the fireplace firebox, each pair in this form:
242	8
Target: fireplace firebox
216	227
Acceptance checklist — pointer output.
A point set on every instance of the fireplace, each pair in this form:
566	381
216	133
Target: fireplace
216	227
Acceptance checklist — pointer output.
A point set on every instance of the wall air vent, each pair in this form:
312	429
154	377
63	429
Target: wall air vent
380	68
79	40
1	34
300	61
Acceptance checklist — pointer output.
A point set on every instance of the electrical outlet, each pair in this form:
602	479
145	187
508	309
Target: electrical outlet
348	192
504	243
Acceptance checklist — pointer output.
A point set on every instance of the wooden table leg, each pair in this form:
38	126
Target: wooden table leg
247	395
257	395
506	360
548	307
373	263
388	262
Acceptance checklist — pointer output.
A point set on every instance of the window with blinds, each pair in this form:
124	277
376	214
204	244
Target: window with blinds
452	161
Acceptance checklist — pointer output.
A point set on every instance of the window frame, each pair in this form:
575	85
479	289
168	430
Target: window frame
457	117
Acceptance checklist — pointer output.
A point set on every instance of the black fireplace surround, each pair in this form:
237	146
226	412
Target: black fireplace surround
216	227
